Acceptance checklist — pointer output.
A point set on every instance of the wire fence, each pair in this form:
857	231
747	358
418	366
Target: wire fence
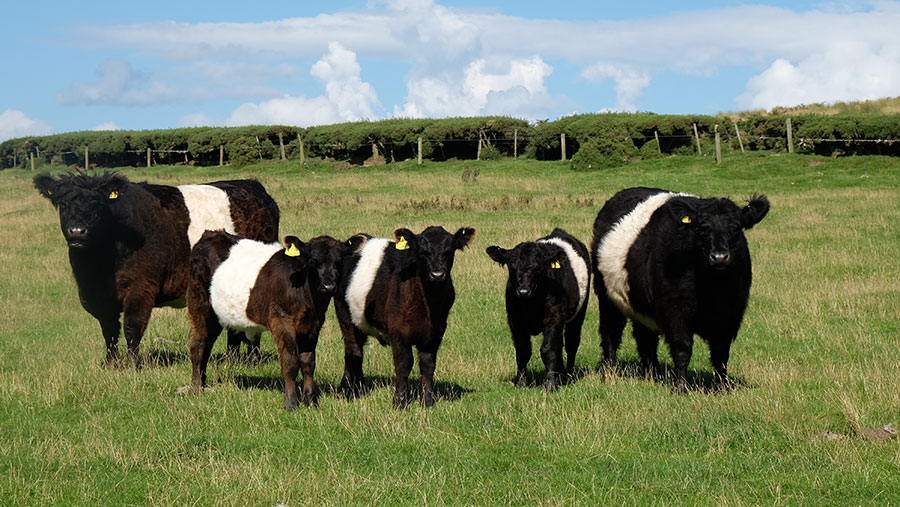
567	145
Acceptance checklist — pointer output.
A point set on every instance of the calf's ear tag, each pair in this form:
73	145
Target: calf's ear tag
686	220
402	244
555	265
292	251
113	195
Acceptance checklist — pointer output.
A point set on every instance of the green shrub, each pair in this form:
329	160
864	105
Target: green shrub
489	152
604	152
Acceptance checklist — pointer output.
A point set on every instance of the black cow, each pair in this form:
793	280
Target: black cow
129	242
674	264
400	292
250	286
547	293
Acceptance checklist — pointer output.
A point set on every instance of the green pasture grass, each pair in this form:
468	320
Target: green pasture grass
817	360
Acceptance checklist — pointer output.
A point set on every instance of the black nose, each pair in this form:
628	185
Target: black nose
77	232
523	292
720	258
438	275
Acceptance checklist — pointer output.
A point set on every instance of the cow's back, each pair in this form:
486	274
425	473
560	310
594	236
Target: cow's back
253	211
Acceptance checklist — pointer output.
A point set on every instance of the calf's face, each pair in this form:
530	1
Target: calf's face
717	226
324	257
529	265
434	249
86	204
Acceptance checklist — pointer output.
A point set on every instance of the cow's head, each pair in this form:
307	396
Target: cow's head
87	204
530	264
298	253
325	256
717	226
433	251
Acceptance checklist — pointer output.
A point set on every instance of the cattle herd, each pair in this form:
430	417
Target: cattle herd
675	264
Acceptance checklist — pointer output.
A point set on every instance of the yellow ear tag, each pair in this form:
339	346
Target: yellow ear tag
292	251
402	244
113	195
49	192
555	265
686	220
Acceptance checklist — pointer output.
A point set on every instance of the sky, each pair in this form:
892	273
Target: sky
107	65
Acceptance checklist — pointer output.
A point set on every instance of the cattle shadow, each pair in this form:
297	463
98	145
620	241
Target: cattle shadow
535	378
697	380
443	391
163	358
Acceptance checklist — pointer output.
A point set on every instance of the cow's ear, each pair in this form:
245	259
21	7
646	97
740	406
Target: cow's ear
755	211
44	184
557	258
115	186
293	247
355	244
463	237
405	239
498	255
683	211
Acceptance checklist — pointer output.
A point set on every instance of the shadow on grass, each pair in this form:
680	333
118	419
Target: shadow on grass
537	378
697	381
164	358
443	391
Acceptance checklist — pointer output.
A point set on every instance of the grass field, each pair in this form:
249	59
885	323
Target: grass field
817	360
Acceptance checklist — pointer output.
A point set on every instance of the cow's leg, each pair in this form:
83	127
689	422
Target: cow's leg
647	344
136	312
573	339
427	361
612	323
288	356
522	342
109	326
681	343
307	347
205	328
253	339
551	353
233	348
403	362
354	339
719	350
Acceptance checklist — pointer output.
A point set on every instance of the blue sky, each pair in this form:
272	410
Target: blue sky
124	65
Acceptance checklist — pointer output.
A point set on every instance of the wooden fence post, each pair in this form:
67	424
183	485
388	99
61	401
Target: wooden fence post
697	137
478	153
31	153
86	157
374	153
718	146
790	136
516	143
420	150
281	145
221	155
658	147
302	154
562	145
738	132
148	157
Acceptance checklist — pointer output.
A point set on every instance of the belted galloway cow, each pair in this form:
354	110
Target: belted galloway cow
676	265
129	243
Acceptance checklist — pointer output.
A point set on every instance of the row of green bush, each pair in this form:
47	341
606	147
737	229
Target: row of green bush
591	140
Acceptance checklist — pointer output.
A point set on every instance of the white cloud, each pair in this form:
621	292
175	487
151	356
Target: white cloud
440	43
110	125
195	120
119	84
630	82
517	90
347	97
844	72
14	123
